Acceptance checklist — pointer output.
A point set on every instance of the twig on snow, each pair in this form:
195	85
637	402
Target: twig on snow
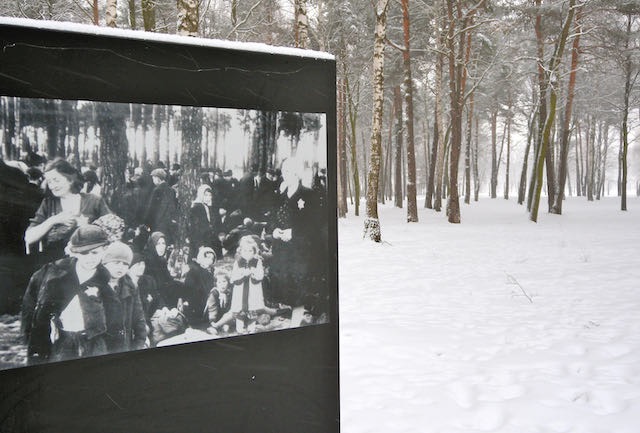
512	280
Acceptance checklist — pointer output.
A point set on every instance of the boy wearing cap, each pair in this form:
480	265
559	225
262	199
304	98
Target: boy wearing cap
62	313
125	320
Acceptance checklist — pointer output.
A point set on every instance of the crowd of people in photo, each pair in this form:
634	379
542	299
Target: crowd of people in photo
254	257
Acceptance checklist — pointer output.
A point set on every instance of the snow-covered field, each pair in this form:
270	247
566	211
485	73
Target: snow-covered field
437	334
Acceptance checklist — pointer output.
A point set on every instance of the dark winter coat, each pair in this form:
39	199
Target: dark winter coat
197	285
18	202
49	292
297	266
202	229
156	268
161	211
150	297
256	196
215	308
126	324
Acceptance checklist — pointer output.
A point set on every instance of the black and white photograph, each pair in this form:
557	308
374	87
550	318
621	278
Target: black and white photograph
134	226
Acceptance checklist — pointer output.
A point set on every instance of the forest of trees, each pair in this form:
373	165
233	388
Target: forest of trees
529	100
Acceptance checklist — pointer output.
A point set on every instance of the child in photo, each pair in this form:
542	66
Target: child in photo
219	304
63	316
198	283
126	324
149	294
246	276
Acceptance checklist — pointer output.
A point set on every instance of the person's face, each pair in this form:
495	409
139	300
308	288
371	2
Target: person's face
307	318
161	247
59	185
221	283
208	198
247	253
117	269
156	180
91	259
206	261
137	270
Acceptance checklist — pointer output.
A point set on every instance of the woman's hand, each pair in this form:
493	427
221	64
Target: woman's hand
65	218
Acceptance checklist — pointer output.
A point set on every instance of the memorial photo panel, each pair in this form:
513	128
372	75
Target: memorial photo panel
169	243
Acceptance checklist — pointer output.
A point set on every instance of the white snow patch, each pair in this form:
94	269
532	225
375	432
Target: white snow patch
435	336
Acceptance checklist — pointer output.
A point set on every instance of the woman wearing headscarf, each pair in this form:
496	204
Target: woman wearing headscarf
156	267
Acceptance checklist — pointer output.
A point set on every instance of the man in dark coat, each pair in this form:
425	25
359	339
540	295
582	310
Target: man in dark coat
161	211
299	243
256	195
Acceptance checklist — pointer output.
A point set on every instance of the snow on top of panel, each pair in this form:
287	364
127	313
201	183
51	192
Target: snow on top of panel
162	37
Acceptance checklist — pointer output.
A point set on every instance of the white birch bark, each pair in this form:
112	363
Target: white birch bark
372	223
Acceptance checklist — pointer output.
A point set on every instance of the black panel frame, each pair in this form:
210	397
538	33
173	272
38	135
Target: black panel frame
285	381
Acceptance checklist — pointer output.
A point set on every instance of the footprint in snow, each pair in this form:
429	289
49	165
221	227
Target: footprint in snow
602	402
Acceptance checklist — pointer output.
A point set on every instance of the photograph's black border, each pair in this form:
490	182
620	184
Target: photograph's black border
273	382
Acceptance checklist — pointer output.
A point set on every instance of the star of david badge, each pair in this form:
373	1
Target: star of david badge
91	291
300	204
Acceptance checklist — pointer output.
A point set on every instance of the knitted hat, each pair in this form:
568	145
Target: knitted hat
112	225
87	238
159	173
118	252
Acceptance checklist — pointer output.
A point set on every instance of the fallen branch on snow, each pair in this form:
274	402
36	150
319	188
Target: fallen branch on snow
512	280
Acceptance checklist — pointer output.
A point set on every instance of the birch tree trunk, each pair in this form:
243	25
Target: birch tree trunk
372	222
301	24
188	17
111	13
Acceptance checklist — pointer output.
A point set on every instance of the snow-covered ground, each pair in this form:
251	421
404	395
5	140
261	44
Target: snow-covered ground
437	334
